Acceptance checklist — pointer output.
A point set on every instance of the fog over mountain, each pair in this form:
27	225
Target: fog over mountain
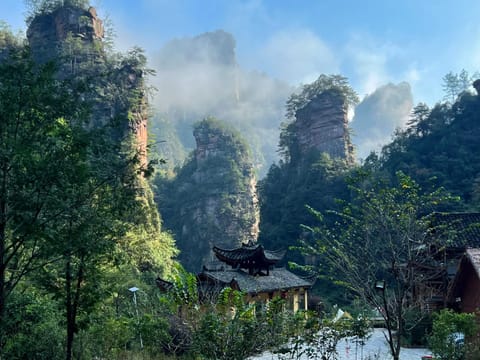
378	115
199	77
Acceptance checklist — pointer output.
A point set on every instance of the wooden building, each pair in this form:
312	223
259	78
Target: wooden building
252	269
448	238
464	294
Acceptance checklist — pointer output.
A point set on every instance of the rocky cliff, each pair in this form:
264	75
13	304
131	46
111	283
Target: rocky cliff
322	125
213	199
112	85
72	36
199	77
48	32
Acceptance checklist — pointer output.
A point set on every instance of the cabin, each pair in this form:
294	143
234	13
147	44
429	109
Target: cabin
253	270
449	237
464	293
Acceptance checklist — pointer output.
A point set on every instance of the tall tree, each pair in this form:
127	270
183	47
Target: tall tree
456	84
379	237
36	112
324	82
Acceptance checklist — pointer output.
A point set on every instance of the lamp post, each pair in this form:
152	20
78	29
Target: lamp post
380	285
134	290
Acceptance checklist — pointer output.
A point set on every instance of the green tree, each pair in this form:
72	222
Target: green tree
418	118
324	82
451	333
456	84
379	236
35	113
37	7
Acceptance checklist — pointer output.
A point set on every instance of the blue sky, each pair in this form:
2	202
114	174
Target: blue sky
370	42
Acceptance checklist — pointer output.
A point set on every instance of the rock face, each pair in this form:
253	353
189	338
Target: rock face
72	36
322	125
214	197
47	32
216	48
200	76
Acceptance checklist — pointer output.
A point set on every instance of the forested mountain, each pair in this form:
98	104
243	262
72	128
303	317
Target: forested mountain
78	225
199	77
317	154
84	230
439	147
212	199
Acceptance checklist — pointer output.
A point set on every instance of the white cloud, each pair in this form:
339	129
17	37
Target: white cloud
298	56
370	61
379	114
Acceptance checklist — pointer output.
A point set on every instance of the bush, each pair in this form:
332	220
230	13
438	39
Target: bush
449	331
32	327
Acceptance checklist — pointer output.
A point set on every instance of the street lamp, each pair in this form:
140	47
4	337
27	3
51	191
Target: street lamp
380	285
134	291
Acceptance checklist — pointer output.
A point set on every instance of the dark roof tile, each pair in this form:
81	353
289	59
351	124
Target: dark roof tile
459	230
279	279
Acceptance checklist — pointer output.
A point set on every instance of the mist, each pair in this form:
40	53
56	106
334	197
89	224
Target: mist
378	115
198	77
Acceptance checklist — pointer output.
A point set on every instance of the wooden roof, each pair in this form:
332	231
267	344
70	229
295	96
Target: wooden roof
473	256
248	254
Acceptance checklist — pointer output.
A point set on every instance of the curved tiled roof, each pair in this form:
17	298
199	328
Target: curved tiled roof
459	230
246	253
279	279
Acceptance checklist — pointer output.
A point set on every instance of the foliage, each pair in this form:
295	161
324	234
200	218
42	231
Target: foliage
8	40
446	340
439	148
288	188
231	331
456	84
41	162
324	82
379	235
39	7
74	210
32	327
318	338
208	193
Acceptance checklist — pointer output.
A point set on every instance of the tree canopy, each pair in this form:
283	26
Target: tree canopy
337	83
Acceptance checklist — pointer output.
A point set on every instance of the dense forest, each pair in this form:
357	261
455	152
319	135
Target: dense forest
95	217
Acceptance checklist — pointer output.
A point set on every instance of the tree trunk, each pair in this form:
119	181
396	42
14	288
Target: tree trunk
70	315
3	229
72	300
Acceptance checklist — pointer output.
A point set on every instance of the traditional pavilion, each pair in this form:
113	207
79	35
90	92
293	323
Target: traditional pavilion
252	269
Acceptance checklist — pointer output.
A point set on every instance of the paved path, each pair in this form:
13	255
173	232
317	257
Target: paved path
376	348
